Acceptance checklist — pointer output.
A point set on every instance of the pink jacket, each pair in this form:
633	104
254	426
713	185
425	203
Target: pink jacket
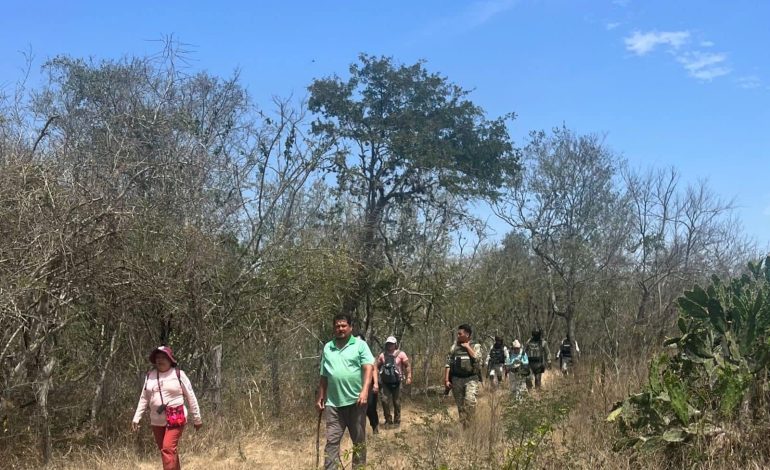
175	390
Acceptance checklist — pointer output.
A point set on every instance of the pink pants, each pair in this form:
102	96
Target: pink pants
167	440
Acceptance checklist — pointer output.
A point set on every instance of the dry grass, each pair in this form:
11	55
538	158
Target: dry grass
561	426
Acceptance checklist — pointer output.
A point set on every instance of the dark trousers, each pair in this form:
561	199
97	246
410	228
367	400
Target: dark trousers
391	396
537	375
352	418
371	410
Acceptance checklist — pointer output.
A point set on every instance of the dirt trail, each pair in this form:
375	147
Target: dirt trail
428	422
425	421
299	451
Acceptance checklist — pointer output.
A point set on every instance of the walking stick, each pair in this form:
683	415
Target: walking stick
318	439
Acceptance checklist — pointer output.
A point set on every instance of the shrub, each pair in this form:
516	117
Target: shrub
717	371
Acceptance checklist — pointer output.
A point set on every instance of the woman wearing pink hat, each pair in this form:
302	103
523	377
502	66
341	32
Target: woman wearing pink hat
165	389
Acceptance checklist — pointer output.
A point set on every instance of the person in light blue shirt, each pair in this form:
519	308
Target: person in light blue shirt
517	367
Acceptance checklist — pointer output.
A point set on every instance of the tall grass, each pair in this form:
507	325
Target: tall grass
561	426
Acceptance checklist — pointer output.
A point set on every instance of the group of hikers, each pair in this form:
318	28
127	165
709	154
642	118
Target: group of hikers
352	381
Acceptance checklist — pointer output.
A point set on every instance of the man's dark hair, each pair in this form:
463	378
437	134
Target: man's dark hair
467	328
498	339
342	316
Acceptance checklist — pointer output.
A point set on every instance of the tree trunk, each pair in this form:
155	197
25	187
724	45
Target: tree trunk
98	393
367	316
641	313
43	388
572	338
275	384
364	263
216	367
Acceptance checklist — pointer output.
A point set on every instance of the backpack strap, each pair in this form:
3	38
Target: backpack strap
160	391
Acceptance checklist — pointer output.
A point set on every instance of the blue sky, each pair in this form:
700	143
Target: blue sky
683	83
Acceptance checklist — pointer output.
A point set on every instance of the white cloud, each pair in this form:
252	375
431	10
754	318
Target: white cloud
611	26
642	43
480	13
749	82
704	66
473	16
696	60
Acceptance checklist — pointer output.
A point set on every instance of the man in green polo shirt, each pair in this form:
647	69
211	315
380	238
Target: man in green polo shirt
343	391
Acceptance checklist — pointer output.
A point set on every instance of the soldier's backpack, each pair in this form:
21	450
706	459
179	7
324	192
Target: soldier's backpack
389	372
535	352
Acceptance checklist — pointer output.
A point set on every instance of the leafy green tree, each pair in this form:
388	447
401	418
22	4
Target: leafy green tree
402	135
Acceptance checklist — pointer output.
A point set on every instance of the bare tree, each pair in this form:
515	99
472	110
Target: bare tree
574	214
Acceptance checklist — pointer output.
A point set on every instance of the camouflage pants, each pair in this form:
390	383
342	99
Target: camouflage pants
518	385
464	390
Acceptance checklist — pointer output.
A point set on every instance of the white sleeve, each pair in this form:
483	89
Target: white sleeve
142	405
190	396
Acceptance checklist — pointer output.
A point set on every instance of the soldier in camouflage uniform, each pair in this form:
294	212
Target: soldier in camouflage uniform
539	357
496	359
462	373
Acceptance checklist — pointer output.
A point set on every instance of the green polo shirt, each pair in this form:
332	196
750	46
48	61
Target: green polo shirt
342	369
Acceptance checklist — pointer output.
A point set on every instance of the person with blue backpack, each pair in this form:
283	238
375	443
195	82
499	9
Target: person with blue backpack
394	368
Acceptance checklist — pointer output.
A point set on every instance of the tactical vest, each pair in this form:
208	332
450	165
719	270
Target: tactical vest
496	356
566	349
536	352
461	364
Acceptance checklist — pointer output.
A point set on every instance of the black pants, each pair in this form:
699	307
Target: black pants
391	396
371	409
537	375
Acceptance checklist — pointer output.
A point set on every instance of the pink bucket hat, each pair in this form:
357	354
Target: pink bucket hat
165	350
